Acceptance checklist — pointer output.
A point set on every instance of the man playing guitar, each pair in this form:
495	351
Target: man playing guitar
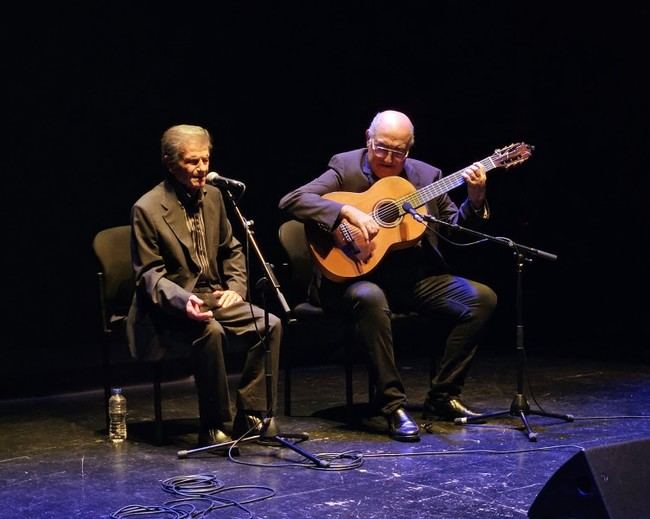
373	259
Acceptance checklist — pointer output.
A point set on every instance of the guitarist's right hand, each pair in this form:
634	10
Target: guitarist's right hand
363	221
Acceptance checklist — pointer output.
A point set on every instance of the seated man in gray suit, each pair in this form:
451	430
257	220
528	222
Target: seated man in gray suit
191	287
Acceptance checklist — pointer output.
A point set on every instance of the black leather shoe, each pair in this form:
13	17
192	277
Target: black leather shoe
447	410
212	436
247	423
402	427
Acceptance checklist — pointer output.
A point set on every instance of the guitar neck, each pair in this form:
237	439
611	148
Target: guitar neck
445	184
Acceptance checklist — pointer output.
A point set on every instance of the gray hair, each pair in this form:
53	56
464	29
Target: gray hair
172	141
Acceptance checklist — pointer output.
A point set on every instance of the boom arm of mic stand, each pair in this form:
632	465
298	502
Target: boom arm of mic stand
503	241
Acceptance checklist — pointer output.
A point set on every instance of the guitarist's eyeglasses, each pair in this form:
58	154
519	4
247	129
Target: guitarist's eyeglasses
382	152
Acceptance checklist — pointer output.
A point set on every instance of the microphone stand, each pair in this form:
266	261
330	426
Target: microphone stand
269	431
519	406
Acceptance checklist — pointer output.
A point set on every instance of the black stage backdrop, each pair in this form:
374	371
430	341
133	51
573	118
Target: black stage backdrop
89	90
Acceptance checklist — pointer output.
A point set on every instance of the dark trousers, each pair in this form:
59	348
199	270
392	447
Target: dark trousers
241	322
466	305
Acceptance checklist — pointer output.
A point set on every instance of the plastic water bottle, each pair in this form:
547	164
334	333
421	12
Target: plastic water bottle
117	416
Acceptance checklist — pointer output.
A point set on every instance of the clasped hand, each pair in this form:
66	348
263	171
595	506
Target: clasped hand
195	307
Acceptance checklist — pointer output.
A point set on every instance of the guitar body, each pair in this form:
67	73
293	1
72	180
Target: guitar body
343	254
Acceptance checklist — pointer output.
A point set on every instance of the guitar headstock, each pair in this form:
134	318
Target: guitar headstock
512	154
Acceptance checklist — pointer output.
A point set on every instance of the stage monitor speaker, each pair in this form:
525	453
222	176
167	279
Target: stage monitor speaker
609	482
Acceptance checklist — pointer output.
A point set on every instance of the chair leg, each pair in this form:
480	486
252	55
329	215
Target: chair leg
157	403
287	389
106	369
291	337
349	384
371	388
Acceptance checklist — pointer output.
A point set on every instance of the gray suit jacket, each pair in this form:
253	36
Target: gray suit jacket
166	268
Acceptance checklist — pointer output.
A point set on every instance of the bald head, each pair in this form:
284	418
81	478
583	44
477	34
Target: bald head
394	124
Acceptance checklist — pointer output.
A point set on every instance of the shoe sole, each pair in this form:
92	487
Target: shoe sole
400	438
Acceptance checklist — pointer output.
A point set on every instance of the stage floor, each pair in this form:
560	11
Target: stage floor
56	461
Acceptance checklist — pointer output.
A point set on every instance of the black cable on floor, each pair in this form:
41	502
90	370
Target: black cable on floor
340	461
354	459
472	451
621	417
196	489
137	510
346	460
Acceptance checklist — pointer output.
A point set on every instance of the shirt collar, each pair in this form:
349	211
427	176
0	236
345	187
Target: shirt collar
190	201
366	170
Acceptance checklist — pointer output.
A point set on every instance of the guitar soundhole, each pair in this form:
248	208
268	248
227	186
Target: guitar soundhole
386	213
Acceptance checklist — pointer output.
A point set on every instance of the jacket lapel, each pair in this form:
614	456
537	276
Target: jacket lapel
174	215
211	225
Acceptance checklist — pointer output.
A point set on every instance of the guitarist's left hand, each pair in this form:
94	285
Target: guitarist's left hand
475	178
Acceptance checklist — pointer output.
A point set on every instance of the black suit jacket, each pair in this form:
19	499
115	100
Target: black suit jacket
166	269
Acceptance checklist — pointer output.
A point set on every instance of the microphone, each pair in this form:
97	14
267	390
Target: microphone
213	178
408	208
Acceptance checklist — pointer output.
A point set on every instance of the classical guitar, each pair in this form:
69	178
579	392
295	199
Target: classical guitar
343	254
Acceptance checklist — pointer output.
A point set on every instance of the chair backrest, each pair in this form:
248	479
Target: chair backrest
294	242
112	247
